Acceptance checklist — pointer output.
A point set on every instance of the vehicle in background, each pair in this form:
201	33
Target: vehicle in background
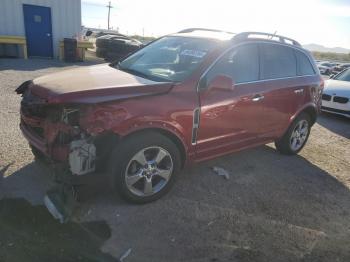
336	94
340	67
115	47
184	98
325	68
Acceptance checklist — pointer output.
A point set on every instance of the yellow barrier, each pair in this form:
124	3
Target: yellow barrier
17	40
81	45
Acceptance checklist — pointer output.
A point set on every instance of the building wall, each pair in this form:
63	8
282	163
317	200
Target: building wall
65	14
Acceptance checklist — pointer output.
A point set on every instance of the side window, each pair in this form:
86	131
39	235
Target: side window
277	61
242	64
304	66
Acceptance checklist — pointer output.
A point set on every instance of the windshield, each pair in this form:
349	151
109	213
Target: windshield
344	76
170	58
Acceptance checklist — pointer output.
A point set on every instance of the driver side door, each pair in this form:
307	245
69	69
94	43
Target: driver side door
230	119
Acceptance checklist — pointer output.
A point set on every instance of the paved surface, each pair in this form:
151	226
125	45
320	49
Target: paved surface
273	207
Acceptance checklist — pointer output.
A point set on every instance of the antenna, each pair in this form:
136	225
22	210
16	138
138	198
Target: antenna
274	34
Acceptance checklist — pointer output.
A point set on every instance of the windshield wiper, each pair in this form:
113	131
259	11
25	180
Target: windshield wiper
143	75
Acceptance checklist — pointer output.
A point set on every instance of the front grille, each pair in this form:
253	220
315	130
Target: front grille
340	99
32	105
326	97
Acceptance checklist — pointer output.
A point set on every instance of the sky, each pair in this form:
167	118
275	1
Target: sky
325	22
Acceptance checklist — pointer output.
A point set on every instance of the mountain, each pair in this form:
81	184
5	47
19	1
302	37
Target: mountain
321	48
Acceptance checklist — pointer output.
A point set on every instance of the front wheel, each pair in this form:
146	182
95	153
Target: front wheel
144	167
296	136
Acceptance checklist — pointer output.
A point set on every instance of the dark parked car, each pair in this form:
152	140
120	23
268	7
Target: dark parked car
115	47
185	98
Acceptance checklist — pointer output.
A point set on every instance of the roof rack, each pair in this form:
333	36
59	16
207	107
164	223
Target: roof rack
189	30
245	35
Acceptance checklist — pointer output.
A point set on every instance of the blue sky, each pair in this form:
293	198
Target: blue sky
324	22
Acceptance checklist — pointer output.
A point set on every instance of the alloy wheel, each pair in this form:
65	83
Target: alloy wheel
148	171
299	135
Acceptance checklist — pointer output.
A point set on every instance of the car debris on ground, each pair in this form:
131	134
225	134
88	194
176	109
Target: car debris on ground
221	172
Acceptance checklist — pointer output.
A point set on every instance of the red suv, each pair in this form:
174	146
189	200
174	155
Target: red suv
184	98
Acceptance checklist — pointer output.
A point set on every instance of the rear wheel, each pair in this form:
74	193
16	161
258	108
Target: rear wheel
144	167
296	136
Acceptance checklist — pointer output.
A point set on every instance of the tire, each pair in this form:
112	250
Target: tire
138	181
38	155
101	52
292	142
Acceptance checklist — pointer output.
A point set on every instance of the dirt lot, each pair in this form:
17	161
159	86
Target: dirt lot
273	207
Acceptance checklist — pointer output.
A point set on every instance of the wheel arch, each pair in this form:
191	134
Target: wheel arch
309	109
165	132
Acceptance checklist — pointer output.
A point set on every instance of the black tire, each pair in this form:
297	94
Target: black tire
284	145
38	155
121	161
101	52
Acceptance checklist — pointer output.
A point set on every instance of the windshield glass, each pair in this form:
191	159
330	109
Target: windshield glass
344	76
170	58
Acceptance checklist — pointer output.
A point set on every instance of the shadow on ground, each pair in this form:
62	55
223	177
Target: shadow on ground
29	233
335	123
273	208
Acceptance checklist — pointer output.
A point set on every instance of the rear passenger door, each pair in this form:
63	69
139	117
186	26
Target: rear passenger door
282	91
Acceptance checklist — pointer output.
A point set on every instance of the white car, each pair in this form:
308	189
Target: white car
326	68
336	94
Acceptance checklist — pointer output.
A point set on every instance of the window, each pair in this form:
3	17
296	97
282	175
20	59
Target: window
170	58
343	76
304	66
37	18
242	64
277	61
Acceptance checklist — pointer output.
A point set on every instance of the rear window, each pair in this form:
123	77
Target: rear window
277	61
304	66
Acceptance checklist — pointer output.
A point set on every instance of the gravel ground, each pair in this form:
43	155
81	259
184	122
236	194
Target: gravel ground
273	207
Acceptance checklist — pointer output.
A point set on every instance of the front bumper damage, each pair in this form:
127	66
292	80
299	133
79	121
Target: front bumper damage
55	132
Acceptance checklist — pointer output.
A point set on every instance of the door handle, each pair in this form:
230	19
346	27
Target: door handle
257	98
299	91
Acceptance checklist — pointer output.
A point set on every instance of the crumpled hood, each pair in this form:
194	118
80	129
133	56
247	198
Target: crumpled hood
336	87
94	84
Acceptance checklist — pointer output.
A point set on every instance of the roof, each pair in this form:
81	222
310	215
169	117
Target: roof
241	37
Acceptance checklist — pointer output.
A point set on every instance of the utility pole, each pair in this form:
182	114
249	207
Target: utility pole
109	12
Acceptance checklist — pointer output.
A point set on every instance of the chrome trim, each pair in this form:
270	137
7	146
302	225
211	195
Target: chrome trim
260	80
196	119
271	79
299	91
257	98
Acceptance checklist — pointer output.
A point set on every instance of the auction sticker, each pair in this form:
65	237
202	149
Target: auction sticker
195	53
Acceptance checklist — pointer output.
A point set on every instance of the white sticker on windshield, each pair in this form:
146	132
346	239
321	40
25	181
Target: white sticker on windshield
195	53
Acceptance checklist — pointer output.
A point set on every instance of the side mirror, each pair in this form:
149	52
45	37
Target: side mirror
88	33
221	82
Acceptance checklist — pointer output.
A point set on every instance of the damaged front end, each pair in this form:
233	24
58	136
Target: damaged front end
54	131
